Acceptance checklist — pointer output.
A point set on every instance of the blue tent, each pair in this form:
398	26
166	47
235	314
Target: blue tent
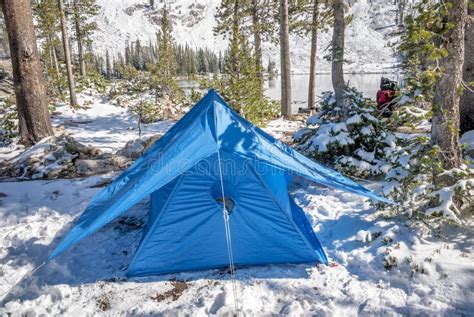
210	159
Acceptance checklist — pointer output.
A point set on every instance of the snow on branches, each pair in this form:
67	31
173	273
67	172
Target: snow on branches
353	140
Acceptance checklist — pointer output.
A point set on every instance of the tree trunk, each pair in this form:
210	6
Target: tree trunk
31	103
314	47
54	57
235	33
285	60
445	123
67	56
401	8
467	99
337	71
257	44
80	48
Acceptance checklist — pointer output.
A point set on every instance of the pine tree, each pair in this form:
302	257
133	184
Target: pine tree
203	63
239	83
165	69
257	38
337	71
220	63
285	60
432	47
128	57
137	59
46	13
82	12
401	7
108	65
257	19
67	55
467	99
31	104
314	47
308	17
445	122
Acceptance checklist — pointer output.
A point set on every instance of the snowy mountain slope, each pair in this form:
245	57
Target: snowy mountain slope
121	21
367	36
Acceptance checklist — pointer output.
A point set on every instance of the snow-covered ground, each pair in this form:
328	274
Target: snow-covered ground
380	266
104	126
369	36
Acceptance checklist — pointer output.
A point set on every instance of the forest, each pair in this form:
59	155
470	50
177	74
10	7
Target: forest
112	114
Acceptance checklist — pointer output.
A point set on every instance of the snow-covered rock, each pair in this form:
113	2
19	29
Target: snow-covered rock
134	148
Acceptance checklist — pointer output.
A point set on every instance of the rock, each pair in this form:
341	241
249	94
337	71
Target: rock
135	148
90	167
61	157
151	141
119	162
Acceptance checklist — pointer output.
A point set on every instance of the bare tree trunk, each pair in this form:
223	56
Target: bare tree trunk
337	71
55	60
445	123
314	48
257	43
80	48
401	8
54	57
67	56
235	30
467	99
31	102
285	60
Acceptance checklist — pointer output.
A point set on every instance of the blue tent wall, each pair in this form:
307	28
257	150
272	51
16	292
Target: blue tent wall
210	126
187	232
177	151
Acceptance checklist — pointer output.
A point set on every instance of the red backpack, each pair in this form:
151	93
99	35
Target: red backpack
385	96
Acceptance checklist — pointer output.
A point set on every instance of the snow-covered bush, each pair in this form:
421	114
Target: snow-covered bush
417	180
93	81
8	120
353	140
421	186
410	110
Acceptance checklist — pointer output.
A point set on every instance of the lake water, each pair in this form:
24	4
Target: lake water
368	84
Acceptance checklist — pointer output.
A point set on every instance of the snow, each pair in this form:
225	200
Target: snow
367	156
404	100
369	36
34	215
446	196
355	119
468	139
119	22
104	125
380	265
